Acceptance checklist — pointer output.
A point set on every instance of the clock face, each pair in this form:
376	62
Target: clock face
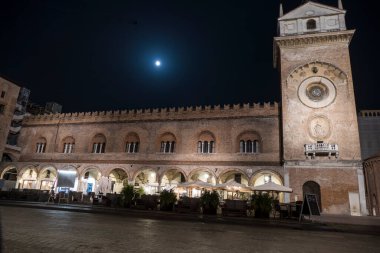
317	92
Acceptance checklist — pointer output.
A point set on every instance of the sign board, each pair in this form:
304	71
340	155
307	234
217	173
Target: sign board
310	205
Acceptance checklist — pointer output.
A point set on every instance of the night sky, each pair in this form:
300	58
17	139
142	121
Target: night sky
93	55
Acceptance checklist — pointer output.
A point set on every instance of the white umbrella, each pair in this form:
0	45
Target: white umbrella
196	184
233	186
270	186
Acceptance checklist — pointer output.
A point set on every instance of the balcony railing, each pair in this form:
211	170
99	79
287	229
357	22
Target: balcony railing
18	117
321	149
15	130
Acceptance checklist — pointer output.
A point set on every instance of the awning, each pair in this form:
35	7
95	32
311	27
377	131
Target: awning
233	186
197	184
66	178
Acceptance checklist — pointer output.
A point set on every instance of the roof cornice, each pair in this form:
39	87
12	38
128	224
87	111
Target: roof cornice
316	38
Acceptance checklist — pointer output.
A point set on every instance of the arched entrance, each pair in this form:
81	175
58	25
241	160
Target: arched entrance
171	178
266	176
10	179
28	178
118	179
47	178
147	180
311	187
203	175
90	180
234	176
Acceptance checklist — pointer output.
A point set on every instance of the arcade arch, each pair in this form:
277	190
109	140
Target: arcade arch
118	178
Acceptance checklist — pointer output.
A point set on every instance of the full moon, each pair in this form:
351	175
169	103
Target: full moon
158	63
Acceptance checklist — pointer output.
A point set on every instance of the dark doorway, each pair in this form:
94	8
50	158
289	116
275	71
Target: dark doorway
10	175
6	158
311	187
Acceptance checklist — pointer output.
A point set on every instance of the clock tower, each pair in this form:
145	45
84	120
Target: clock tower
320	137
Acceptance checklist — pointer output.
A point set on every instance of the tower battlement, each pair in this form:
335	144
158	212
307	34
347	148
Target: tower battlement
156	114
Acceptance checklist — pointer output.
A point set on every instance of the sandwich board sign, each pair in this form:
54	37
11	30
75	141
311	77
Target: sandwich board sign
310	206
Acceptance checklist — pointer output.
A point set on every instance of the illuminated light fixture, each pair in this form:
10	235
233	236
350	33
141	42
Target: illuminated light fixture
158	63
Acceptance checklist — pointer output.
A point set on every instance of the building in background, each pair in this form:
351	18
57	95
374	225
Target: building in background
49	108
8	101
369	128
11	150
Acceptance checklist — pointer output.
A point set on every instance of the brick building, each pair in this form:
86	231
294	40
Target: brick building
8	101
302	144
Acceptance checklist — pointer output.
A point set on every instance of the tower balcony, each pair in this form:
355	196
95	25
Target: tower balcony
321	149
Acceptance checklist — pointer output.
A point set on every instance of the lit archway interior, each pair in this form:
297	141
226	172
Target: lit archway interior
238	177
118	178
10	179
147	181
234	176
204	176
90	181
47	178
172	178
28	179
264	177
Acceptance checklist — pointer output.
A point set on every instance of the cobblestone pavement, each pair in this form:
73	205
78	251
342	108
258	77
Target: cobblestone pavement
38	230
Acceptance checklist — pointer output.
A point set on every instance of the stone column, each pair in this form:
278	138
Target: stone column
363	205
286	182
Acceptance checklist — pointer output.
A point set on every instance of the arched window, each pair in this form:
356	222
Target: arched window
167	143
242	146
249	146
68	145
132	143
41	145
311	24
249	143
256	148
99	144
206	143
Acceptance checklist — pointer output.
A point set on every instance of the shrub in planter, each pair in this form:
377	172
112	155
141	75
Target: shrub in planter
167	200
127	196
262	204
209	202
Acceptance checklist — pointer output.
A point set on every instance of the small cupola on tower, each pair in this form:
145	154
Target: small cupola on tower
312	17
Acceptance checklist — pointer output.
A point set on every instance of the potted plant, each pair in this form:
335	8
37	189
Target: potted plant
127	196
210	202
262	205
167	200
